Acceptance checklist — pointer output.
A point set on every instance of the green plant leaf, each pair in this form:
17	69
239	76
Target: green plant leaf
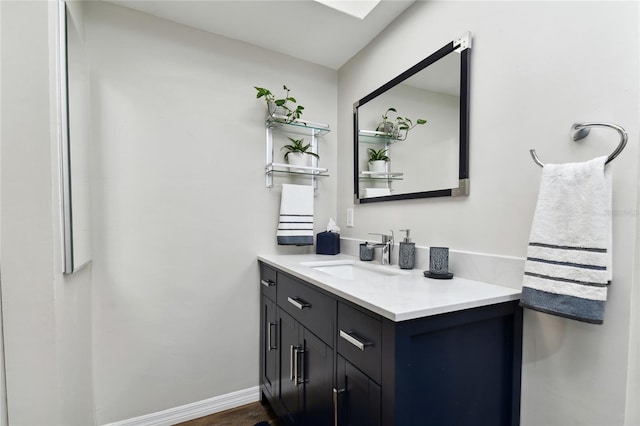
297	145
375	155
261	91
421	121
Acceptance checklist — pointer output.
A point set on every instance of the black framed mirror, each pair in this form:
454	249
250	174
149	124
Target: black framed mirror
417	128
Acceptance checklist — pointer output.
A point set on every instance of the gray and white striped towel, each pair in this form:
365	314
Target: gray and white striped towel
295	225
568	266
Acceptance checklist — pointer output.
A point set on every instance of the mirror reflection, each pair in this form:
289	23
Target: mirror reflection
76	154
411	130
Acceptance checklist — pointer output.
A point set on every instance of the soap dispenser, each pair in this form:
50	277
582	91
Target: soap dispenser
407	253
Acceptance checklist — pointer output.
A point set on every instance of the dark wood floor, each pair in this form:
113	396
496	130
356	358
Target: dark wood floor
246	415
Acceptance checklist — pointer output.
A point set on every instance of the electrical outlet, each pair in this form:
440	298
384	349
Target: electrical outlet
350	218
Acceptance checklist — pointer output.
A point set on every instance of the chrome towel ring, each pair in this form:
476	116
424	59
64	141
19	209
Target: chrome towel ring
581	130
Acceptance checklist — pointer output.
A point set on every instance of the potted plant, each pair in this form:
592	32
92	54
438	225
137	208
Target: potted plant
378	160
280	109
395	127
298	153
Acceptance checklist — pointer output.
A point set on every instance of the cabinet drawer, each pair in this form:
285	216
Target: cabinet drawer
268	281
316	311
359	340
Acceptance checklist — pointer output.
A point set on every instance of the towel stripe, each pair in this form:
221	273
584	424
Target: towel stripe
575	265
561	255
567	272
585	310
565	280
592	249
568	289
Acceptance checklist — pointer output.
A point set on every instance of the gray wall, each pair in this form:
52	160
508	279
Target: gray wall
46	316
536	68
181	205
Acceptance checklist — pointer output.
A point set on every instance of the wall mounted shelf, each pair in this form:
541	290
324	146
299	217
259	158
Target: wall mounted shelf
299	127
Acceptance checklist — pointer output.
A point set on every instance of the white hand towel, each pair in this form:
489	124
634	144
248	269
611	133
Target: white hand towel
295	225
568	263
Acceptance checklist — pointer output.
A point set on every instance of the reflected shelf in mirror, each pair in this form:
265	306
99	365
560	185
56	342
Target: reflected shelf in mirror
381	175
376	137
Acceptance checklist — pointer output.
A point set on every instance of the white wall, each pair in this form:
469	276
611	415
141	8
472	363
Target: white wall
536	68
633	381
46	316
181	206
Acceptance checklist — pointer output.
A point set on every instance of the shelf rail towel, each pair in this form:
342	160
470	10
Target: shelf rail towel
568	266
295	225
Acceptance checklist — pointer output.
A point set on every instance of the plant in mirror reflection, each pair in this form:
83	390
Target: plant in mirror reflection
378	155
395	127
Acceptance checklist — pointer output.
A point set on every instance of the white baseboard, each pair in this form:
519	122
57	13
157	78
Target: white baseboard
194	410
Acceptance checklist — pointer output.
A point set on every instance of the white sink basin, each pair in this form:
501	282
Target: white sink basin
352	270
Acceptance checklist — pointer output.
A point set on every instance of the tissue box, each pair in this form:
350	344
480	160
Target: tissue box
328	243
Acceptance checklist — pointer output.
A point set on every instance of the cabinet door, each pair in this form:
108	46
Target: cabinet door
290	347
358	397
317	375
269	346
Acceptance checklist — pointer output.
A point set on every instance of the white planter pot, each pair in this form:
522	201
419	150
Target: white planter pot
389	128
378	166
298	159
276	112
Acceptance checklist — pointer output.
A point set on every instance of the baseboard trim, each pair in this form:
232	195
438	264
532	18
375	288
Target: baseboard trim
194	410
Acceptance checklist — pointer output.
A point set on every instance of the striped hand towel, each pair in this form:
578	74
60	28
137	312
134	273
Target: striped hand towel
295	226
568	264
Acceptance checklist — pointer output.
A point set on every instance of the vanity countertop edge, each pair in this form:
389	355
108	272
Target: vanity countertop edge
395	297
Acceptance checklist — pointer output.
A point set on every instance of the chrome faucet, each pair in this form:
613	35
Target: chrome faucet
386	245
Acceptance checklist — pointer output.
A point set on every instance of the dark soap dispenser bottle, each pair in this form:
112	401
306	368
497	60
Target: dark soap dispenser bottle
407	253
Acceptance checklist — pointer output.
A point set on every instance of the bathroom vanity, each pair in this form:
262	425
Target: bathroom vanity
344	342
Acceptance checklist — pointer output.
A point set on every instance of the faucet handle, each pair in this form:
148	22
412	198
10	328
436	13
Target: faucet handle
385	238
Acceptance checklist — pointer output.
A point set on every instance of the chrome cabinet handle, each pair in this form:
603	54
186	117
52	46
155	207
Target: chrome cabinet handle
267	283
295	366
291	363
298	369
355	342
298	303
269	338
336	394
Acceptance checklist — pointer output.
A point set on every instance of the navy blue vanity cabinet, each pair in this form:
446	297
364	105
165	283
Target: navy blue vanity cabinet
307	375
458	368
341	364
299	387
269	345
359	366
357	398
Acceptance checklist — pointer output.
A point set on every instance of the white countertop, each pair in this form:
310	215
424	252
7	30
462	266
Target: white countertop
396	297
